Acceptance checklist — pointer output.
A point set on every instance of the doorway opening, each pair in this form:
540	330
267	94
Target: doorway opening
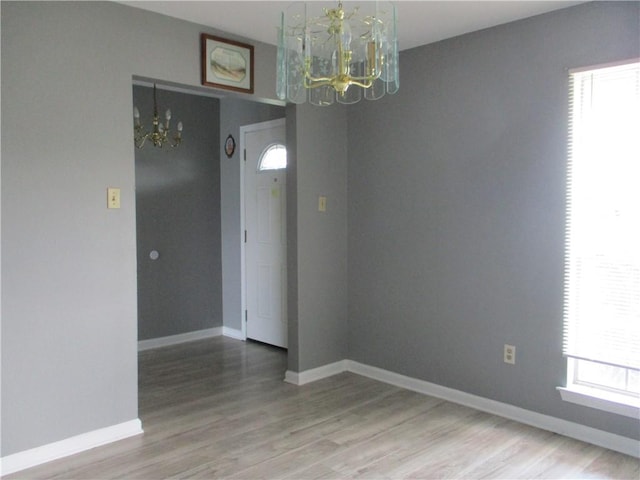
166	181
264	254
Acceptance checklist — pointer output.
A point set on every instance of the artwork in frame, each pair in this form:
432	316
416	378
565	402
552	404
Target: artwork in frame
229	146
226	64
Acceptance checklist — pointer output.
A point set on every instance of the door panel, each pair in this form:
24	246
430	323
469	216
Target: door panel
265	247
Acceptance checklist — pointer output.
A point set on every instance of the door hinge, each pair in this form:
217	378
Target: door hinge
245	236
246	316
245	154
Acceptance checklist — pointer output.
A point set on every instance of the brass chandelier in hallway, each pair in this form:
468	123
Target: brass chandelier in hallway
160	134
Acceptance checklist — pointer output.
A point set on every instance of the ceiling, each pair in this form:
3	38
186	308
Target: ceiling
419	22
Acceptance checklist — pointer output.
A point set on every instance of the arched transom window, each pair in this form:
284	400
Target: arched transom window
274	157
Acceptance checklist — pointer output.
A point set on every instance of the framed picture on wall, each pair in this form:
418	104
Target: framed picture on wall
229	146
226	64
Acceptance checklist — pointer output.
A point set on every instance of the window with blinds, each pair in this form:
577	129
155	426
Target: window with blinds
602	289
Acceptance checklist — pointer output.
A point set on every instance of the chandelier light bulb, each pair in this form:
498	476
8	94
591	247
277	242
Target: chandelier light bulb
345	35
167	115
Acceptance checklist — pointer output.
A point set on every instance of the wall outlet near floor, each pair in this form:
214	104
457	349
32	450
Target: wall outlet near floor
509	354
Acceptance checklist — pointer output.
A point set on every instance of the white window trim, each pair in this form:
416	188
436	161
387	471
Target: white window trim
598	398
601	400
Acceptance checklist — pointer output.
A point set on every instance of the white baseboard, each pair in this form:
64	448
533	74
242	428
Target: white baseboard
315	373
574	430
291	377
180	338
232	333
69	446
86	441
63	448
577	431
189	337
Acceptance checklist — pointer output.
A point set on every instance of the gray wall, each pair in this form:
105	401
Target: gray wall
457	204
234	114
68	311
317	242
178	214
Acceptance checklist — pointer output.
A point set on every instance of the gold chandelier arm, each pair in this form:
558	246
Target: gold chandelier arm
366	78
139	138
141	144
311	82
365	84
177	140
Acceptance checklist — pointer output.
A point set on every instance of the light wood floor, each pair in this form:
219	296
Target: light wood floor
218	408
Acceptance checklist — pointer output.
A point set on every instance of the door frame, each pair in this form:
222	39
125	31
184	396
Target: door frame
244	129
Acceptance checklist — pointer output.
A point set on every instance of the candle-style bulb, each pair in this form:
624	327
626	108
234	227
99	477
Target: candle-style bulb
345	35
179	126
167	115
136	113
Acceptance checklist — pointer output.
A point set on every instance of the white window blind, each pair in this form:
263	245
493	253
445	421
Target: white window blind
602	297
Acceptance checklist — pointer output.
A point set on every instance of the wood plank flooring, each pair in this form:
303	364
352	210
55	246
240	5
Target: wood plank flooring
218	408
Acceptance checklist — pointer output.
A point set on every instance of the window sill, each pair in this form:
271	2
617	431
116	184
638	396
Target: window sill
602	400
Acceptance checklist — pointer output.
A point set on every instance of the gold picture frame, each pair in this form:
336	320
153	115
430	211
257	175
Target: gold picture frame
226	64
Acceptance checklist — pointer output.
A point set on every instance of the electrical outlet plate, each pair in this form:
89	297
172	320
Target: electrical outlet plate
509	354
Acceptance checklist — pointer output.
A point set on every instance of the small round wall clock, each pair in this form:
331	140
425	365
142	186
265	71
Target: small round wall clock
229	146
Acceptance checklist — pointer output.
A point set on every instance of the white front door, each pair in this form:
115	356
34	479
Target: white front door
265	235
